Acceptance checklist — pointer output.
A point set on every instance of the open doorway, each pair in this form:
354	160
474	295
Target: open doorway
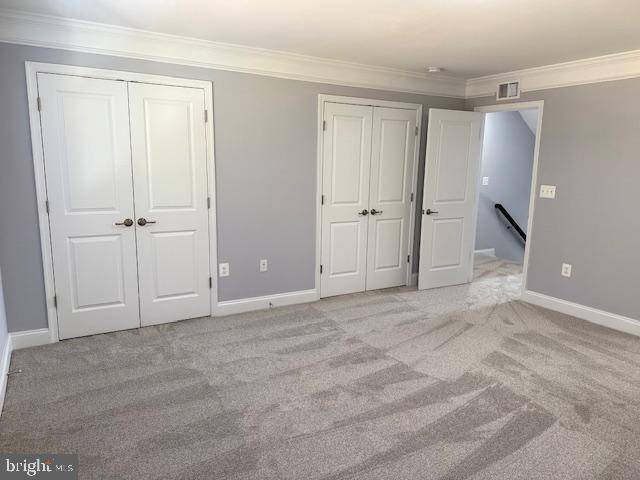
506	190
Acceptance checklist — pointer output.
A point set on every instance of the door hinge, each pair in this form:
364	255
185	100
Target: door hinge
208	202
320	269
46	206
321	199
55	301
324	125
408	258
417	130
206	116
210	282
412	196
39	101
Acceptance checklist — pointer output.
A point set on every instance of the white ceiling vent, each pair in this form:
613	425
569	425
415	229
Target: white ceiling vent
508	90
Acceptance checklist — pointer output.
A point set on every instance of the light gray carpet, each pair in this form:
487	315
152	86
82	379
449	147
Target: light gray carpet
456	383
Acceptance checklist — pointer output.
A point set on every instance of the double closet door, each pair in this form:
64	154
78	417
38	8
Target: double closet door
126	177
368	162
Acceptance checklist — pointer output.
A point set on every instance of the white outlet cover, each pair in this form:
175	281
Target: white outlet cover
264	265
485	181
566	270
223	269
547	191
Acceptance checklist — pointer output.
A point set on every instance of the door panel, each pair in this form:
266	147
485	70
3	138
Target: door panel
85	137
392	155
170	179
345	180
454	146
88	255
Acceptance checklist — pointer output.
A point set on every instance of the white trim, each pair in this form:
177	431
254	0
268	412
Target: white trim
99	38
242	305
606	68
32	69
29	338
593	315
534	175
5	363
90	37
486	251
322	99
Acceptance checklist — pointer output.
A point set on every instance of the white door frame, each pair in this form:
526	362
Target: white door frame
510	107
32	69
322	99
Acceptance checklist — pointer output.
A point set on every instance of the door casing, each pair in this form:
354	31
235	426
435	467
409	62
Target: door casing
32	69
322	99
510	107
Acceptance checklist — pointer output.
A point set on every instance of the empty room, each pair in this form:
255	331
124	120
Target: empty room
319	240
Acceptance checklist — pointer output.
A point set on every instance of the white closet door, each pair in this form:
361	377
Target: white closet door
85	136
450	198
170	182
345	186
390	197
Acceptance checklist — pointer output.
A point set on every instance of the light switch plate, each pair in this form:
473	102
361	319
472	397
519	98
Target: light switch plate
223	270
485	181
264	265
547	191
566	270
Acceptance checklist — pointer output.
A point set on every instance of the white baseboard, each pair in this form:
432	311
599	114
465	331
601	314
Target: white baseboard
30	338
242	305
5	361
593	315
487	251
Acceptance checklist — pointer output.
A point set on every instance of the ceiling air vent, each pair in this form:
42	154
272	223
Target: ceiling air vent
508	90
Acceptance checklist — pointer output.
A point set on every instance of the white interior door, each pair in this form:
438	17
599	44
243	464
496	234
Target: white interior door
454	144
392	157
85	137
170	180
345	188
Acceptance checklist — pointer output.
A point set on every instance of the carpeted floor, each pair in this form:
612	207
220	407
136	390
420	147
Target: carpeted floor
456	383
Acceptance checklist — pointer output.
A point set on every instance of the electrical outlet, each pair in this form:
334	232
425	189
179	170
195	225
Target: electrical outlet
566	269
547	191
485	181
223	270
264	265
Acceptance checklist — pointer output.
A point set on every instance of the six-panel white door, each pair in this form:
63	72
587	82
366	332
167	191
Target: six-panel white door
170	182
454	145
390	197
87	156
345	179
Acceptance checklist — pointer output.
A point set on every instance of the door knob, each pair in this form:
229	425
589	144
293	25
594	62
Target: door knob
127	222
430	212
364	212
375	212
143	221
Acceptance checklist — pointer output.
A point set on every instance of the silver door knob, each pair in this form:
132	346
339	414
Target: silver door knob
364	212
430	212
127	222
375	212
143	221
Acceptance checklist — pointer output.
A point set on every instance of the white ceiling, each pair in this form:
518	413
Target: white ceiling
469	38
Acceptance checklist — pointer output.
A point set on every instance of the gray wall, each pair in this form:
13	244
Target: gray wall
589	149
3	322
507	159
265	145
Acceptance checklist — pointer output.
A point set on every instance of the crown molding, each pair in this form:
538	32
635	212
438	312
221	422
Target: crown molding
98	38
90	37
618	66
